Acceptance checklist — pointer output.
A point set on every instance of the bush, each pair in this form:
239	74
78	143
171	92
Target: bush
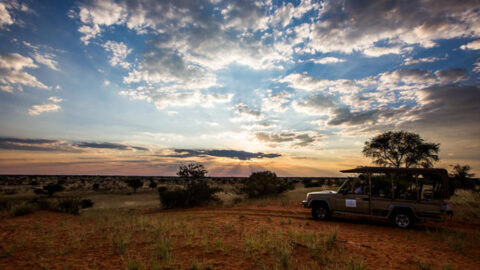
86	203
5	205
264	183
310	183
69	205
49	189
195	192
24	209
95	186
43	204
134	183
152	185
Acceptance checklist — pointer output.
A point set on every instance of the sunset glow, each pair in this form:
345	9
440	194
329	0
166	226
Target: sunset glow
139	87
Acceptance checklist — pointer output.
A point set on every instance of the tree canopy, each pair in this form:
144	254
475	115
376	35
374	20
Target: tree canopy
401	149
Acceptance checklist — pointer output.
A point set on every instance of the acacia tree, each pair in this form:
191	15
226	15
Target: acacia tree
462	176
401	148
192	174
196	190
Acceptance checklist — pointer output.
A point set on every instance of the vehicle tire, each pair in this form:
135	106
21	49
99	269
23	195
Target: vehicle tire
403	219
320	211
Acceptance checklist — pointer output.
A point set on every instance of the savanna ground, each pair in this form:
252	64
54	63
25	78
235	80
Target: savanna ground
126	231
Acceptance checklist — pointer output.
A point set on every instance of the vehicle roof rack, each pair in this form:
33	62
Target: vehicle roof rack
395	170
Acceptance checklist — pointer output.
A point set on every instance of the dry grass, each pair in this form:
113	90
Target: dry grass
466	205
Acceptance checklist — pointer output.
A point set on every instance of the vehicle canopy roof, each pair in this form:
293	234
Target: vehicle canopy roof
447	188
396	170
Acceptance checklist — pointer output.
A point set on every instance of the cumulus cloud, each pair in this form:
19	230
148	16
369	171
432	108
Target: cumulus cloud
352	25
55	99
316	104
43	108
5	18
292	138
411	61
452	75
99	13
11	70
474	45
47	60
119	52
163	98
328	60
283	15
476	67
246	113
277	102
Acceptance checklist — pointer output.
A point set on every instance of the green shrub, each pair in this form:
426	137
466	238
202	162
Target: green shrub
69	205
134	183
195	195
5	205
310	183
86	203
264	183
195	192
24	209
43	204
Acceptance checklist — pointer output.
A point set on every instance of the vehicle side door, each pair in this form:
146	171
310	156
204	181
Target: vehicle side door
347	200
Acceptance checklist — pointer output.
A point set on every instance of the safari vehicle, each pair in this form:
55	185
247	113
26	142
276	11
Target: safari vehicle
402	195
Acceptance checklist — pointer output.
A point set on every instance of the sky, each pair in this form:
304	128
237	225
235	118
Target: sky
138	87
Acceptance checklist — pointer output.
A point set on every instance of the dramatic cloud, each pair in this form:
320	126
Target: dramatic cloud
452	75
449	106
343	116
107	145
316	104
293	138
34	145
349	25
11	143
11	70
119	51
233	154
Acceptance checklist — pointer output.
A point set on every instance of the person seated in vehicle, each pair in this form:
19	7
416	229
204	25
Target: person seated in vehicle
358	189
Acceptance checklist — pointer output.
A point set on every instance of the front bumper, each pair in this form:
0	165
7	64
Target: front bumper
305	203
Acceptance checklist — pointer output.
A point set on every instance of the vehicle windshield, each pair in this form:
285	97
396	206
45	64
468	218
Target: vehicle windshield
355	185
344	185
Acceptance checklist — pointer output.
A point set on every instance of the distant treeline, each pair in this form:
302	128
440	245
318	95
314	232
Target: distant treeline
84	179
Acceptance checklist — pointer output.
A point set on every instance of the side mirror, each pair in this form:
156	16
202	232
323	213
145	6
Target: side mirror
344	191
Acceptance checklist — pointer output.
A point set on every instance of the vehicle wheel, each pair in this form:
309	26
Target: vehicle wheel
403	219
320	211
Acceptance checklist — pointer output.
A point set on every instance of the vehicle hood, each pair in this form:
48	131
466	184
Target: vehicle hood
323	192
